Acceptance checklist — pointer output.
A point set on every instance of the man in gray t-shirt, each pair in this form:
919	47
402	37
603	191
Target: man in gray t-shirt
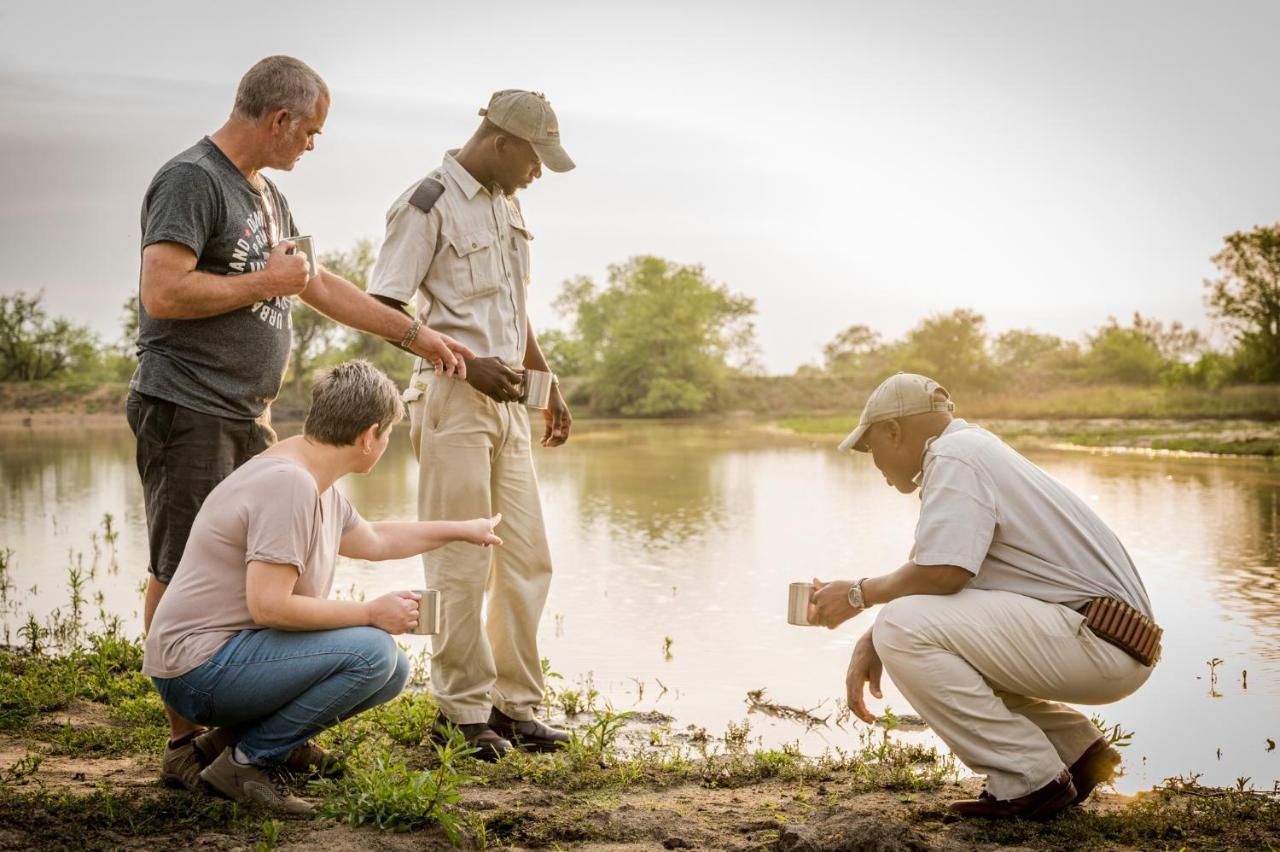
217	283
982	628
201	201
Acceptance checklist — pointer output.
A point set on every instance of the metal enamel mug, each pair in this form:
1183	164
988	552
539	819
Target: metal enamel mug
307	246
799	596
537	388
428	612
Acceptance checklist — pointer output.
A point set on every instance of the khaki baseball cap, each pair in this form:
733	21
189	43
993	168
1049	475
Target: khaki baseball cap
900	395
528	116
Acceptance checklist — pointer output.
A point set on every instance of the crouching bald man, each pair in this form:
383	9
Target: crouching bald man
1016	597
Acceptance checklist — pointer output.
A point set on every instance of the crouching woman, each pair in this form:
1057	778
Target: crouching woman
246	639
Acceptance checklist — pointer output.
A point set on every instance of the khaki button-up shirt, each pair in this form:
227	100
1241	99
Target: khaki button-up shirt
466	261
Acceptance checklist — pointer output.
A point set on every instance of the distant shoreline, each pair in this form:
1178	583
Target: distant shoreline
1234	421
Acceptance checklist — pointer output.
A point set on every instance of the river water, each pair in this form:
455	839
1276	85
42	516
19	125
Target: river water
691	533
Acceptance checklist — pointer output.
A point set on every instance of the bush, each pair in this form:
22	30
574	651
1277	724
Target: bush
660	339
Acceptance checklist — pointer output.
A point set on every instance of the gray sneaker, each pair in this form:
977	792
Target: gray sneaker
303	760
255	785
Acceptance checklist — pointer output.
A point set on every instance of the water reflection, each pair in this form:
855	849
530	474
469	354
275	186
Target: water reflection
658	486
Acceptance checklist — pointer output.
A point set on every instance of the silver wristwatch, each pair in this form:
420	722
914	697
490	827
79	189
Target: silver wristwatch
855	595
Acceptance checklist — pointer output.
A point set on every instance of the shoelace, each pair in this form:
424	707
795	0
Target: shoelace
280	778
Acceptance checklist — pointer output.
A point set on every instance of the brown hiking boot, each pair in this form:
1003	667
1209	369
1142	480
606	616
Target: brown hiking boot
180	766
214	742
1096	766
254	785
491	747
303	760
309	757
1038	805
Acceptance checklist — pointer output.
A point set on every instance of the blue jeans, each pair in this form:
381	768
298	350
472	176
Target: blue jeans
277	690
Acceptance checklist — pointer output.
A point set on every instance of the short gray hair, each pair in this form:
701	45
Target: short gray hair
349	398
279	82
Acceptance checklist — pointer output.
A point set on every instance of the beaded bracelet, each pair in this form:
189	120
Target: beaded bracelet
411	334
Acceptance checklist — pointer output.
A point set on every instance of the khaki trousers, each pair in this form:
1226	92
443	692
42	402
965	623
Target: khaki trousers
474	460
986	670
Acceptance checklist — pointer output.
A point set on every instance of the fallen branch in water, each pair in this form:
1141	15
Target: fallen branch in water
757	703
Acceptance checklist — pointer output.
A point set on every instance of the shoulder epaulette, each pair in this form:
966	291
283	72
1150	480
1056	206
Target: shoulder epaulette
426	194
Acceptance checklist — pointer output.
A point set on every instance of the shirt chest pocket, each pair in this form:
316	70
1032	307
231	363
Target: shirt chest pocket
520	237
477	267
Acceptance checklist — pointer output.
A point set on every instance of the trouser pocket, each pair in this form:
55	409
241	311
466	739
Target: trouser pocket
192	704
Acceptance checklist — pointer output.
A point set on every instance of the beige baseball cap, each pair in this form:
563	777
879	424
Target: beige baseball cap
900	395
528	116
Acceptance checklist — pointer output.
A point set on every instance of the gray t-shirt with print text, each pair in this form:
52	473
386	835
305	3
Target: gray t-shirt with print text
230	365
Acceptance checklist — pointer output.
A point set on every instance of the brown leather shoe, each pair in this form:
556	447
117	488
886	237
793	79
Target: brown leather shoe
490	745
1096	766
529	735
180	766
1038	805
214	742
309	757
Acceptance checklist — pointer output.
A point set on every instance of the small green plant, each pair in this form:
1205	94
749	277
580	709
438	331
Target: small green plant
1213	676
270	835
419	667
407	720
550	690
735	735
570	701
76	583
1116	736
23	767
666	648
770	762
34	634
109	532
580	700
392	797
596	741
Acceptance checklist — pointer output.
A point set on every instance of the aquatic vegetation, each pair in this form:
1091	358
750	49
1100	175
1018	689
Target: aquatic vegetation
574	702
6	560
1116	735
1213	676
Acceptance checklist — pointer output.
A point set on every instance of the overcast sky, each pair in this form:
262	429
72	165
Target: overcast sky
1046	164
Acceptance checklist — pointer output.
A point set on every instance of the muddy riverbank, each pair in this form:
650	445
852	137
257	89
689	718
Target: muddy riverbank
83	776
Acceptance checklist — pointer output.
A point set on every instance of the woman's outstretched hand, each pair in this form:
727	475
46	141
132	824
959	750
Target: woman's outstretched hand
480	531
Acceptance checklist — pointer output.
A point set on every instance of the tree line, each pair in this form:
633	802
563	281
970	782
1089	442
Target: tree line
659	338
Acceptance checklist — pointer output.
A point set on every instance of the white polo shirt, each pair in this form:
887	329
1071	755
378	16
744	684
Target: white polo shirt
988	510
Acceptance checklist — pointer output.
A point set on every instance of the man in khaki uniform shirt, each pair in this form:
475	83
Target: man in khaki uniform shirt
458	242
